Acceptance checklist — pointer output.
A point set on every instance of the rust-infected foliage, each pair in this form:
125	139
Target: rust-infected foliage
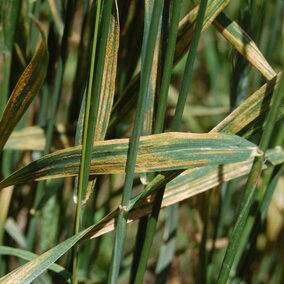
24	92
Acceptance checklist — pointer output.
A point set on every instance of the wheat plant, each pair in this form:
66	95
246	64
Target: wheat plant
141	141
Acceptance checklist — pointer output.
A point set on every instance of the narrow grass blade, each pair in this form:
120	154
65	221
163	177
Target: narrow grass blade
31	270
152	88
5	198
91	113
26	255
244	44
175	126
135	141
55	13
169	31
250	189
249	117
257	215
9	16
107	91
24	92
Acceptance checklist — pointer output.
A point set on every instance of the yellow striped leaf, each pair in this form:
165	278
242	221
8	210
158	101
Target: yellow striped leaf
244	45
31	270
160	152
24	92
248	117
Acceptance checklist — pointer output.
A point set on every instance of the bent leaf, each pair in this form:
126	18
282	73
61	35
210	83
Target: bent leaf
24	92
244	45
160	152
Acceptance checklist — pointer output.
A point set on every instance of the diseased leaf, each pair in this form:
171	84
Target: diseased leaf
108	88
161	152
26	255
189	183
244	44
108	84
179	189
24	92
249	117
31	270
33	138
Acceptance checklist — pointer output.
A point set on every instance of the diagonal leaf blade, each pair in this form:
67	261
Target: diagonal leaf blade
249	117
244	44
24	92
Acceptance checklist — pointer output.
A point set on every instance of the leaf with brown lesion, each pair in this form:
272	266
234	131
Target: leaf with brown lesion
107	90
160	152
24	92
243	43
248	117
175	192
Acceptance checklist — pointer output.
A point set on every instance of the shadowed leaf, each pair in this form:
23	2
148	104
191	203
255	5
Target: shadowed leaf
244	44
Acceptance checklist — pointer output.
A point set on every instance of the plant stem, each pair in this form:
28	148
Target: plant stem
151	228
262	200
91	110
250	189
134	143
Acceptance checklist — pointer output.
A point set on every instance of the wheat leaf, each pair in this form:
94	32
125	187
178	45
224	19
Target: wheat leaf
24	92
160	152
244	44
